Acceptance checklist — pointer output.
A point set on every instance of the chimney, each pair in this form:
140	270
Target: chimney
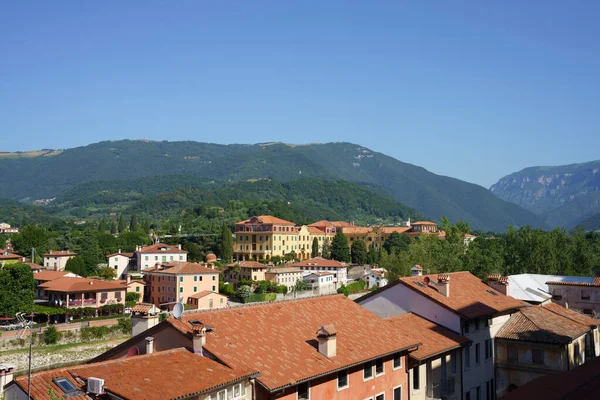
149	345
128	279
443	284
119	252
179	247
498	282
327	340
142	321
417	270
6	376
198	338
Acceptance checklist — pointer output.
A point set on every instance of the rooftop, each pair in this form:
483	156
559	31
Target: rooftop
324	223
161	248
266	219
423	223
204	293
284	270
71	284
181	268
540	324
318	262
434	338
572	314
282	337
143	376
129	255
533	287
60	253
51	275
247	264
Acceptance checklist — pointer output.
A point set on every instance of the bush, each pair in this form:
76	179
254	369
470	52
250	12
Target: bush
354	287
124	325
133	296
226	289
281	289
253	298
51	335
244	292
96	332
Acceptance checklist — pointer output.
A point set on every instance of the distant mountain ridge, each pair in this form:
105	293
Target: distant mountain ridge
435	196
562	195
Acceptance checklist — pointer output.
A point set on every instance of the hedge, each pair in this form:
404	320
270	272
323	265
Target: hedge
260	297
354	287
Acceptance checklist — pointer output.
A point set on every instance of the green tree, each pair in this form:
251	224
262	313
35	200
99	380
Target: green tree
76	265
291	256
51	335
113	228
244	292
301	285
396	243
358	252
30	237
16	289
315	248
89	250
325	249
121	225
226	245
107	273
339	247
195	253
133	225
372	255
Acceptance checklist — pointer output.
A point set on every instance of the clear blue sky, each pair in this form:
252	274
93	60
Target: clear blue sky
469	89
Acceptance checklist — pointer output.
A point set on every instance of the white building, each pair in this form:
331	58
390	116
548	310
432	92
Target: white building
284	276
149	256
122	263
322	282
375	278
6	228
460	302
57	260
319	264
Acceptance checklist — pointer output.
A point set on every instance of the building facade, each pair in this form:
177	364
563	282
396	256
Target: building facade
159	253
122	263
284	276
320	264
57	260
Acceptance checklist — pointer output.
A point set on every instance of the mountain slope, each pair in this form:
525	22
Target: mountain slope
433	195
591	223
562	195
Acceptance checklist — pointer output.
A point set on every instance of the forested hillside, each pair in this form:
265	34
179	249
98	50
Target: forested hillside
52	174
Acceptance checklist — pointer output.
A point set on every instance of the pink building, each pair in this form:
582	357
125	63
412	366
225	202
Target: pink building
82	292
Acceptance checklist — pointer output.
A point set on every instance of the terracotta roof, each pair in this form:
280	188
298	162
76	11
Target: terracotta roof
581	383
318	262
49	275
144	376
282	337
142	308
423	223
594	283
266	219
392	229
469	296
124	282
68	284
572	314
60	253
35	266
247	264
161	248
284	270
204	293
320	273
181	268
316	230
356	229
324	223
10	256
129	255
539	324
435	339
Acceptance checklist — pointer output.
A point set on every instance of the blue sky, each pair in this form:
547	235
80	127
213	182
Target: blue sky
469	89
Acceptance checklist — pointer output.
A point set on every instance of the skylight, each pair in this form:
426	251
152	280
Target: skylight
66	386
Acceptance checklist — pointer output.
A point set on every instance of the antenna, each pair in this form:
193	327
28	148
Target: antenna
27	325
178	310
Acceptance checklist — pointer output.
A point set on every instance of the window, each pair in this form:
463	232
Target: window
538	356
137	288
476	324
195	289
342	381
380	396
513	354
379	368
416	383
488	349
181	279
467	358
146	258
66	386
214	288
367	371
588	311
397	361
181	289
195	279
478	393
398	393
453	362
477	353
303	391
200	277
466	327
214	277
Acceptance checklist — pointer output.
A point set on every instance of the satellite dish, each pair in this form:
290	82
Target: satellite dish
427	280
178	310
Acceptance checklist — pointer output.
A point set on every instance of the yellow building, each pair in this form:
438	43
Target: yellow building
263	237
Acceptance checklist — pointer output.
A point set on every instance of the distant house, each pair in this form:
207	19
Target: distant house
375	278
72	292
322	282
122	263
6	228
207	300
285	276
133	285
244	270
44	276
57	260
159	253
8	256
320	264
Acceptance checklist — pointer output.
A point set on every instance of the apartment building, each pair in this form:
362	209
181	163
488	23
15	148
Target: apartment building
169	283
543	340
121	262
320	264
462	303
314	348
244	270
263	237
285	276
158	253
57	260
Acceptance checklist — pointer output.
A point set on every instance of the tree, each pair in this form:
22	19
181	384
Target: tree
121	225
244	292
372	255
226	245
17	289
315	248
291	256
358	252
89	250
107	273
339	247
30	237
195	253
133	225
325	249
51	335
396	243
76	265
113	228
301	285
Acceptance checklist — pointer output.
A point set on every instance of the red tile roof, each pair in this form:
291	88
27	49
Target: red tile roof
143	308
595	283
423	223
143	377
318	262
581	383
279	338
247	264
324	223
60	253
129	255
161	248
434	338
181	268
49	275
356	229
204	293
572	314
539	324
266	219
392	229
71	285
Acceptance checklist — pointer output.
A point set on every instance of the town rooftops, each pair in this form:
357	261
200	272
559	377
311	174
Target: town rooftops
469	296
160	248
540	324
51	275
319	273
324	224
144	308
181	268
71	285
356	229
266	219
60	253
288	330
572	315
318	262
170	374
392	229
435	339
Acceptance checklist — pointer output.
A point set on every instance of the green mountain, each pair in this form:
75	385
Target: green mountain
591	223
48	174
563	195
